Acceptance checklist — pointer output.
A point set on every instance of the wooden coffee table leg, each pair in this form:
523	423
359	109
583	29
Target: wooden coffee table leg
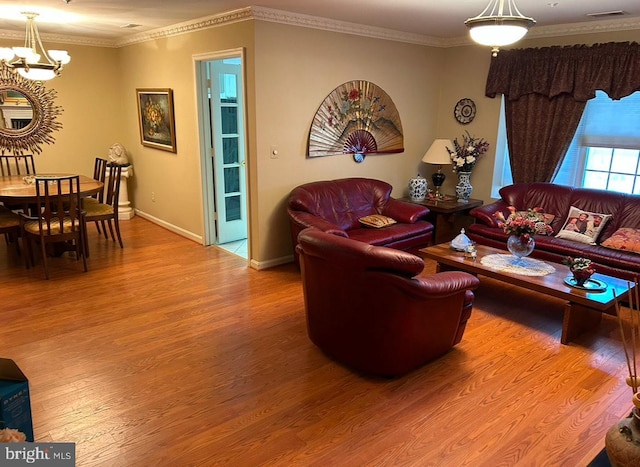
578	319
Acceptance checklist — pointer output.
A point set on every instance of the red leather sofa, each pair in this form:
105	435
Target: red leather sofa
336	206
557	200
369	308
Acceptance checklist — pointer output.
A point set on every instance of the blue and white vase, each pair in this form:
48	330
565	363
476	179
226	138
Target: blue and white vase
418	188
464	188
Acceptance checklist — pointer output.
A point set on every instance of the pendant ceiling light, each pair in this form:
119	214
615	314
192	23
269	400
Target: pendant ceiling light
497	26
26	60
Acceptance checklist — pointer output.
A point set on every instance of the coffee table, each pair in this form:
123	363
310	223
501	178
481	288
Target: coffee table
584	308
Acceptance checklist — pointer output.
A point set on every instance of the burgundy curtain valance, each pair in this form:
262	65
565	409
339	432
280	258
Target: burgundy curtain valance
577	70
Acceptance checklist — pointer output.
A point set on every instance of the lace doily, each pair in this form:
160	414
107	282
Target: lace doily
523	266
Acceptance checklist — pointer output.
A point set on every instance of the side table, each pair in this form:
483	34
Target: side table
447	215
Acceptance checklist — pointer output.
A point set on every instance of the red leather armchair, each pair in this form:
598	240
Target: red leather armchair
368	308
335	206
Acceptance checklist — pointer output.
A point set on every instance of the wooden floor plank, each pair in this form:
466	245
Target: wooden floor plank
170	353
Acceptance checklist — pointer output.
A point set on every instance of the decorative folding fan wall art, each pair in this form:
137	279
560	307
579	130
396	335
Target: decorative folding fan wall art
356	118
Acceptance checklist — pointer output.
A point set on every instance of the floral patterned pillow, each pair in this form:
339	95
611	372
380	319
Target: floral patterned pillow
625	238
540	218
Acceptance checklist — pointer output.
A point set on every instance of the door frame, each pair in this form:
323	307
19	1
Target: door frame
209	236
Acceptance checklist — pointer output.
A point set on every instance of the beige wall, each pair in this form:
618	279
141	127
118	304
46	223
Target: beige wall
290	86
174	178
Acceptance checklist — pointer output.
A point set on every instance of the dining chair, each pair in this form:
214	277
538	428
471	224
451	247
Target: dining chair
106	210
10	227
17	165
99	173
59	220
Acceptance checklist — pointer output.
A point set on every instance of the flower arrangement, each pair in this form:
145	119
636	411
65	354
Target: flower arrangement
355	105
523	223
582	268
579	264
465	155
153	116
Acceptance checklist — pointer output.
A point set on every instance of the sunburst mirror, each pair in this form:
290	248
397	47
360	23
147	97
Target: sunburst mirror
28	114
356	118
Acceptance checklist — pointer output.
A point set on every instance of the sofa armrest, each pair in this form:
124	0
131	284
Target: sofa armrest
303	220
446	283
348	252
439	285
401	211
486	214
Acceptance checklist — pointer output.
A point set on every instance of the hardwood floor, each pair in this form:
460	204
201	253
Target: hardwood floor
170	353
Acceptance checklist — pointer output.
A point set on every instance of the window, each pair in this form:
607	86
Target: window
604	153
612	169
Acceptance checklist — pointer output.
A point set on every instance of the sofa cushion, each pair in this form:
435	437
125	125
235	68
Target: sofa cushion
391	234
583	226
625	238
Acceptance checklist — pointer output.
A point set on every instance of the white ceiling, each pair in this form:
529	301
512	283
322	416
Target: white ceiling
432	18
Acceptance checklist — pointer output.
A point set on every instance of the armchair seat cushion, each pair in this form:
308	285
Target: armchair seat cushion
390	234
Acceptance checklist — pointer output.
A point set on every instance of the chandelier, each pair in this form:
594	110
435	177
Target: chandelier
494	28
26	60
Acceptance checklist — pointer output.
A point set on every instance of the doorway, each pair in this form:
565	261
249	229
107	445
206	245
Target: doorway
221	116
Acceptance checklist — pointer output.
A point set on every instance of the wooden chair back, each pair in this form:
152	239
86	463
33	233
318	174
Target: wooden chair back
58	200
107	209
112	186
17	165
59	217
99	173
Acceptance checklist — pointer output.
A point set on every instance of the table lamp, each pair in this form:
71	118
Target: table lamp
438	154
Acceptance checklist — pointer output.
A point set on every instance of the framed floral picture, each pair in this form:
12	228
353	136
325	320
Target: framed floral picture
156	120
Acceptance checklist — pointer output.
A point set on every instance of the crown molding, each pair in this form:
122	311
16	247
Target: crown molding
572	29
325	24
77	40
222	19
282	17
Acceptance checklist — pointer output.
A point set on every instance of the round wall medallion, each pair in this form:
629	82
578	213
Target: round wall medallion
465	111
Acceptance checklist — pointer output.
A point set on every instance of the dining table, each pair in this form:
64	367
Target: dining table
19	191
16	189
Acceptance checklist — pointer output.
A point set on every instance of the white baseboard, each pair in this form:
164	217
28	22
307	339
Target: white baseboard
257	265
173	228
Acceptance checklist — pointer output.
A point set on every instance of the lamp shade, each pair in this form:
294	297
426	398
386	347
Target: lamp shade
497	35
438	152
28	63
501	23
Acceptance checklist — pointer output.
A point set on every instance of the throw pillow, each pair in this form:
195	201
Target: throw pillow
376	221
625	238
540	218
583	226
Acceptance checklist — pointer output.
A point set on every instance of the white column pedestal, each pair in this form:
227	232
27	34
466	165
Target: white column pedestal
125	212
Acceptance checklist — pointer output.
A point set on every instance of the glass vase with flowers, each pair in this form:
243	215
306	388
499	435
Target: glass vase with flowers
521	226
